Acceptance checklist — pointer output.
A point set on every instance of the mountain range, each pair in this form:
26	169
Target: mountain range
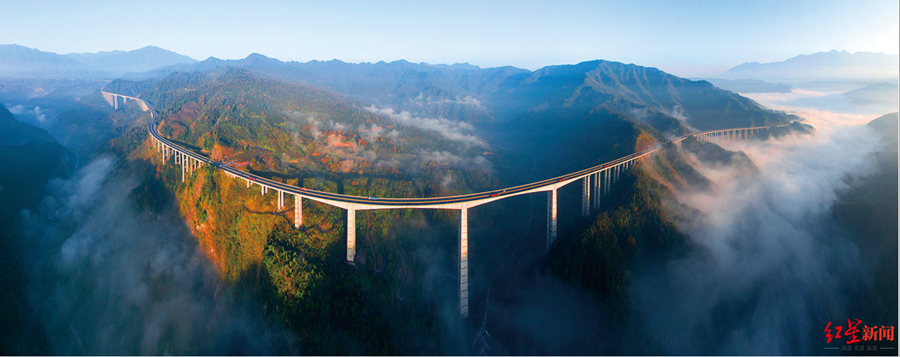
402	129
23	62
503	93
833	65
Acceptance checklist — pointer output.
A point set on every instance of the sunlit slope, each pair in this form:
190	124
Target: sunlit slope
290	130
302	136
646	94
316	139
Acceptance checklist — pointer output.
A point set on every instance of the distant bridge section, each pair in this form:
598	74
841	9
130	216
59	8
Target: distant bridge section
113	100
595	181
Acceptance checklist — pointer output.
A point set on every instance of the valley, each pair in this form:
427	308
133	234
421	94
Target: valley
446	209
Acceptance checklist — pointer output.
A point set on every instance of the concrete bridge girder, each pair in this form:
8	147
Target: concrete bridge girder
602	178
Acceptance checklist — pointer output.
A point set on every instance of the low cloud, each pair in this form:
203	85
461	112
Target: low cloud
677	112
447	158
38	114
450	129
643	114
467	100
113	280
771	265
446	180
373	132
16	109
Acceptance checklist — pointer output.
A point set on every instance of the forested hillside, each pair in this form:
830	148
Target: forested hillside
316	139
545	123
31	158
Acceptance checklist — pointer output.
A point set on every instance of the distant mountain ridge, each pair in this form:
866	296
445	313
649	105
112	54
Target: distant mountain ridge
21	61
749	85
506	93
24	62
431	90
832	65
139	60
587	107
879	92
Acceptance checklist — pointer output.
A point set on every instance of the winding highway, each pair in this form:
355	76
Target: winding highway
597	179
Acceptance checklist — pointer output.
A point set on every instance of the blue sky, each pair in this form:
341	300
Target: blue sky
686	38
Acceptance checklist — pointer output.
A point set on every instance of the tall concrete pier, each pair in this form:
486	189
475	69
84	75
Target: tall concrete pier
603	177
464	262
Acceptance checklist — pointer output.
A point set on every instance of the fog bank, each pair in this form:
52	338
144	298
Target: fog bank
109	279
772	268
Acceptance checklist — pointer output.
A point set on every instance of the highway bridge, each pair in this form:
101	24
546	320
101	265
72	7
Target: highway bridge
595	181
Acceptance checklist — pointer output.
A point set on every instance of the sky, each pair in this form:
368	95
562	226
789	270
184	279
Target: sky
686	38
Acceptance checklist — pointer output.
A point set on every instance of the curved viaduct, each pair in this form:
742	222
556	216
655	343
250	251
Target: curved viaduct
595	181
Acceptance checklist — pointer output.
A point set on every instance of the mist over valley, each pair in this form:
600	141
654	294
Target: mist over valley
698	245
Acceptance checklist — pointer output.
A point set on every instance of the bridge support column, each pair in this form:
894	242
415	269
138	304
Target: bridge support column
248	183
183	167
280	199
606	182
597	190
464	262
551	217
351	234
298	211
262	189
585	196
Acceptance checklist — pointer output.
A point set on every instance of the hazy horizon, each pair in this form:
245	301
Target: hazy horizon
652	178
696	39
